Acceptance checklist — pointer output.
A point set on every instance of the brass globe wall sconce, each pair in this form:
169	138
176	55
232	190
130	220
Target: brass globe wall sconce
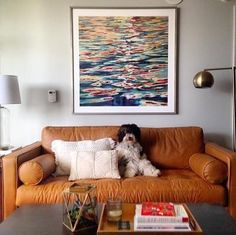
205	79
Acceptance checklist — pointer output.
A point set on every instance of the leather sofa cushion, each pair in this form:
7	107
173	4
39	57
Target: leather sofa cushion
209	168
168	148
32	172
173	185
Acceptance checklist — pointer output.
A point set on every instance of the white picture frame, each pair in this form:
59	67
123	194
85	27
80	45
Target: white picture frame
124	60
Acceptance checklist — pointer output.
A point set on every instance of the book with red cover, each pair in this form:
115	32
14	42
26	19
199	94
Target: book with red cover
158	209
181	216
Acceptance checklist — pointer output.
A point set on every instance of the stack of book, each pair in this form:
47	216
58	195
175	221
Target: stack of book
161	216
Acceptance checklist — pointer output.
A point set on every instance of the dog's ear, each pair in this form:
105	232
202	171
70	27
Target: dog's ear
137	132
121	132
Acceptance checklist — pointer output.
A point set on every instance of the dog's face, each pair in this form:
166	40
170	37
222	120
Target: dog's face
129	133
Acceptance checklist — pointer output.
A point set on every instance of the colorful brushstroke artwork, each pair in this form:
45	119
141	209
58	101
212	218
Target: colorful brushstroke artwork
122	62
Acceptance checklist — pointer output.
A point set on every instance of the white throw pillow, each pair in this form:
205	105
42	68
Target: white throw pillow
63	149
95	165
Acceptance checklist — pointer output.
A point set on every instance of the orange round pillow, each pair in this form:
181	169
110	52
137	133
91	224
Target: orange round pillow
209	168
32	172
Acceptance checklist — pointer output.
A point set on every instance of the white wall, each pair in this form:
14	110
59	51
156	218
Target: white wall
35	44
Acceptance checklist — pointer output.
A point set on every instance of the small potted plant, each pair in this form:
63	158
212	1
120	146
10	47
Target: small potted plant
80	211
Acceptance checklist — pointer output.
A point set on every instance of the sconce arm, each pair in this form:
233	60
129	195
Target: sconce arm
225	68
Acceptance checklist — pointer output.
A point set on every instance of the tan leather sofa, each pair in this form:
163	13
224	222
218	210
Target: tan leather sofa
192	171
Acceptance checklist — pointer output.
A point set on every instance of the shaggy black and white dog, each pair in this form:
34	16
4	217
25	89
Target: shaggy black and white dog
132	160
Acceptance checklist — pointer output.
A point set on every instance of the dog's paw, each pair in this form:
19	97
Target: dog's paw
152	172
157	172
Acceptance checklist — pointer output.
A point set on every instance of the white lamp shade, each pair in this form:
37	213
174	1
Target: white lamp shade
9	90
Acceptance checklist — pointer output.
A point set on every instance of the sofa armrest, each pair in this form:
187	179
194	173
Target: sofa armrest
229	157
10	164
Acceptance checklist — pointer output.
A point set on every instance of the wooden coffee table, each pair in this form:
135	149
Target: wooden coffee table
47	220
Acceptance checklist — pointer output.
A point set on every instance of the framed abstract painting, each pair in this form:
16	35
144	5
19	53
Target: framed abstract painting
124	60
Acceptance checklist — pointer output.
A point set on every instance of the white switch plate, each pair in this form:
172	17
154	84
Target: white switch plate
52	96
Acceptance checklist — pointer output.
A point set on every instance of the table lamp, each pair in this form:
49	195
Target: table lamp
205	79
9	94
